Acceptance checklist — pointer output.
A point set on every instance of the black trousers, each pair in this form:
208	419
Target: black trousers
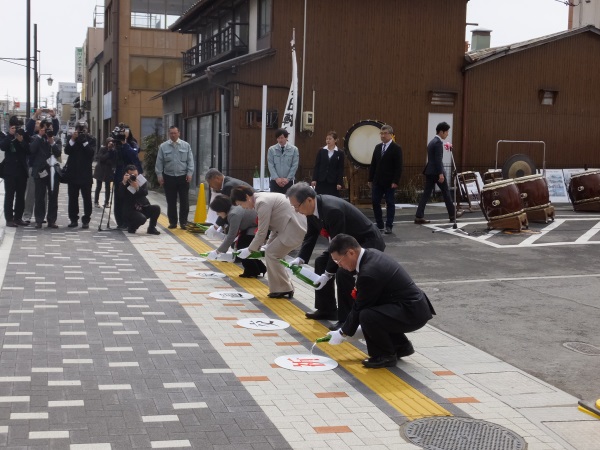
177	186
384	334
14	197
86	194
274	187
252	267
118	207
136	219
42	186
99	189
430	182
325	188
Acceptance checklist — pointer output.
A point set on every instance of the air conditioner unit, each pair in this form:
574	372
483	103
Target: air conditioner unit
308	121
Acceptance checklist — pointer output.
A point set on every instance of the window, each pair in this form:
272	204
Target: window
154	74
547	97
151	125
254	118
264	17
157	14
443	98
108	21
107	85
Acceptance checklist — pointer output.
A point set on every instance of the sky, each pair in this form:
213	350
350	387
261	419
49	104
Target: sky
62	26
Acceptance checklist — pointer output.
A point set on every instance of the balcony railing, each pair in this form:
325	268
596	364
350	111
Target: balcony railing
227	43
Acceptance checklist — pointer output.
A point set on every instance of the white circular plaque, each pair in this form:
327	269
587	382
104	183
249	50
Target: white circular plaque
206	274
188	258
263	323
231	295
306	363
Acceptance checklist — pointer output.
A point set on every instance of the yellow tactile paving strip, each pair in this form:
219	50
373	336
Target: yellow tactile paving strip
399	394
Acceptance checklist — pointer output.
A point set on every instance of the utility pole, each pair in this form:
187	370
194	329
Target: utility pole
28	111
35	68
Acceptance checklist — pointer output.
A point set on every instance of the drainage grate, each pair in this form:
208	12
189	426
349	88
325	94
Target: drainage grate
457	433
583	348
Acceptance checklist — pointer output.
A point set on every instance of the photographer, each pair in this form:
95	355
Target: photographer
80	149
104	172
137	209
16	172
42	147
124	156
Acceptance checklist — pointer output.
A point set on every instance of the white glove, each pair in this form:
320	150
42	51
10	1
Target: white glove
296	262
264	248
213	256
336	337
323	280
244	253
211	233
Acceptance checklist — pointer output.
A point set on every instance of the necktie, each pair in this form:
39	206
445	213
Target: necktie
382	149
282	150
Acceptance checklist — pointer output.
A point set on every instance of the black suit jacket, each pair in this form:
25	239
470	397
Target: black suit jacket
329	170
387	169
229	183
382	283
435	155
338	216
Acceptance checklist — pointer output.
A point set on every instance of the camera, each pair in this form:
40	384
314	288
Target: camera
118	134
132	177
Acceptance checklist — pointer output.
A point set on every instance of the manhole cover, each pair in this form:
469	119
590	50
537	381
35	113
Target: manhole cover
457	433
583	348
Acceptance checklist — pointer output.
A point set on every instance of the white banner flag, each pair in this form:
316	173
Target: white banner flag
289	116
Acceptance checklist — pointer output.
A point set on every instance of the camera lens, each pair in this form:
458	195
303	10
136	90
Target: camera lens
132	177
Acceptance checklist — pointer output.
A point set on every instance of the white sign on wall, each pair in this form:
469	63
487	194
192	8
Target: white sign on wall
79	64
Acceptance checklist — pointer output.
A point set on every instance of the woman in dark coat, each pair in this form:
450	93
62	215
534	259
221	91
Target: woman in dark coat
104	171
328	175
15	150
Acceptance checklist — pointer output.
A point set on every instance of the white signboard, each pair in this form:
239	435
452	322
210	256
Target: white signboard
263	323
231	295
306	363
79	64
188	258
206	274
556	186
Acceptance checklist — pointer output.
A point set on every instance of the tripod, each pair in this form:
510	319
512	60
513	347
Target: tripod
108	227
456	186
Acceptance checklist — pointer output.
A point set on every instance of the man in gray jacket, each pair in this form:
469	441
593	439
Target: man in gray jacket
174	169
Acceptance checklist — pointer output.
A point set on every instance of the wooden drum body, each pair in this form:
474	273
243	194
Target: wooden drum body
492	176
502	206
584	191
535	197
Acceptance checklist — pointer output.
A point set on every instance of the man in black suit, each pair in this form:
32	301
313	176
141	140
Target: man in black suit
222	184
384	175
387	303
330	216
434	174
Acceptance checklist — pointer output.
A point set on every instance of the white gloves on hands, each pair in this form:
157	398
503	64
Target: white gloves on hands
323	280
264	248
336	337
213	256
212	233
296	262
244	253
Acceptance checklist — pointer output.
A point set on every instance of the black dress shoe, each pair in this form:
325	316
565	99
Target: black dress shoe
172	225
22	223
378	362
388	230
72	225
85	226
11	224
183	226
421	220
288	294
404	350
52	225
336	326
131	230
246	275
321	315
38	225
153	231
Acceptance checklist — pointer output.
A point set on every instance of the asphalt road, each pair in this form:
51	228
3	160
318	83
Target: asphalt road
520	304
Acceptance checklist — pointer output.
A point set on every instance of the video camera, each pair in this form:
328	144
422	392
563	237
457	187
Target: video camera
118	134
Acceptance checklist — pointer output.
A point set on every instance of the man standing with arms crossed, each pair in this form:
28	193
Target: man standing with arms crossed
174	169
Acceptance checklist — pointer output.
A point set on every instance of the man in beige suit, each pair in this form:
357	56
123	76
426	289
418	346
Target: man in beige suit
287	232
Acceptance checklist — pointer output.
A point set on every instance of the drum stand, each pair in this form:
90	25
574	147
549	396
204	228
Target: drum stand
456	186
